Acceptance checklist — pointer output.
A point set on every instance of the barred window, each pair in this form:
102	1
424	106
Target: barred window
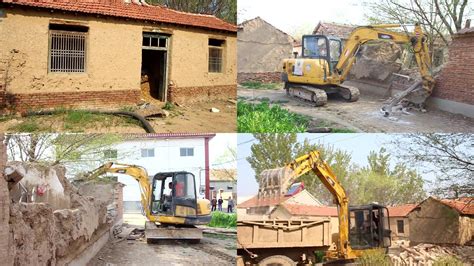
148	152
215	55
67	48
185	152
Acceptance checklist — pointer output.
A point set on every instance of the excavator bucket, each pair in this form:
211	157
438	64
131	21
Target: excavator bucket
275	182
156	233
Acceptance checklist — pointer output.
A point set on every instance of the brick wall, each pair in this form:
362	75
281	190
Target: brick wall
5	257
185	95
266	77
36	101
455	82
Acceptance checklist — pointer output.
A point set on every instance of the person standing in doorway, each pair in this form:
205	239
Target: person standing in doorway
230	205
219	204
213	204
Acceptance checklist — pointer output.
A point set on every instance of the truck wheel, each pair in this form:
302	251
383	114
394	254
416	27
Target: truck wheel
277	260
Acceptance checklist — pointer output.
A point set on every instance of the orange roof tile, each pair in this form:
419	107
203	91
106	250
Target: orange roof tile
401	210
256	202
310	210
133	10
463	205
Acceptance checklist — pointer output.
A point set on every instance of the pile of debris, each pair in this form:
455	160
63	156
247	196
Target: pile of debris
427	254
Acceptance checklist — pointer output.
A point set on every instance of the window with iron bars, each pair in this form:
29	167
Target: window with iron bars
215	55
67	49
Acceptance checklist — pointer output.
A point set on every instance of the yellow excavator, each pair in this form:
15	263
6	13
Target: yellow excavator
360	228
324	65
169	202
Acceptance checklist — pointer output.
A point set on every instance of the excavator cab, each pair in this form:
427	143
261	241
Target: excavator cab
322	47
369	227
174	194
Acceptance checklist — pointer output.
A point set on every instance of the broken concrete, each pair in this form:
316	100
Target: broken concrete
57	222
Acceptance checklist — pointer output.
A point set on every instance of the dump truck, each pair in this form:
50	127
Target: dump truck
282	242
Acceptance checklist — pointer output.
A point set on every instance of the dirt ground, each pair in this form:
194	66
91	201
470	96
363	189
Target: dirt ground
196	118
364	115
214	249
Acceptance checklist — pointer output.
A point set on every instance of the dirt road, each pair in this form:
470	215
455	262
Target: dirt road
364	115
213	250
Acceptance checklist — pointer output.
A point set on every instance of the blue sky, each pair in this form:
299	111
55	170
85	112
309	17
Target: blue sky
359	145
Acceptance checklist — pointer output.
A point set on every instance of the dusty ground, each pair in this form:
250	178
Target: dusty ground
364	115
189	118
214	249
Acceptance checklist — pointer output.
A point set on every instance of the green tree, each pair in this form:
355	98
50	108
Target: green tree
224	9
378	182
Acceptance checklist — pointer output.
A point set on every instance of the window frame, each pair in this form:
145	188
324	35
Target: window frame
186	149
221	49
402	223
113	151
147	150
84	34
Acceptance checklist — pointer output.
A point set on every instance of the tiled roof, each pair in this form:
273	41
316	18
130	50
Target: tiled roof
308	210
401	210
133	10
256	202
223	174
466	31
462	205
334	29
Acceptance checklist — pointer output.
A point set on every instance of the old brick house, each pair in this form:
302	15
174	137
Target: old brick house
261	49
399	221
96	52
442	221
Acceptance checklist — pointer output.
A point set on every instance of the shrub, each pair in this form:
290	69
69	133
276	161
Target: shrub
263	118
448	261
223	220
374	257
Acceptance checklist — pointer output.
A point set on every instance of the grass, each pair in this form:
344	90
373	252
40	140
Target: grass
448	261
223	220
169	106
71	120
27	127
374	257
263	118
261	85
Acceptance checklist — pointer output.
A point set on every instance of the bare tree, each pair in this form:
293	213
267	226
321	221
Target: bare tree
439	18
450	157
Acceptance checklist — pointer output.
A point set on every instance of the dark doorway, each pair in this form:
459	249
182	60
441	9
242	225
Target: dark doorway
154	74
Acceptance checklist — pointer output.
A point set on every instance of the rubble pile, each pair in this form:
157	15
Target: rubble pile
428	254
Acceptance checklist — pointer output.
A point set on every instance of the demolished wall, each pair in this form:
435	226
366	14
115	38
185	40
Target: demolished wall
432	216
261	48
56	221
5	252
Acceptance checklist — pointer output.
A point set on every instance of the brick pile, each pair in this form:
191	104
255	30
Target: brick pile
265	77
427	254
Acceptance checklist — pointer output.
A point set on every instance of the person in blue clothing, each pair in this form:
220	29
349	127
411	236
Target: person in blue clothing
219	204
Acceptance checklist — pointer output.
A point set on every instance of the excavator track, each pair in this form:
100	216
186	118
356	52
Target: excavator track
349	93
317	97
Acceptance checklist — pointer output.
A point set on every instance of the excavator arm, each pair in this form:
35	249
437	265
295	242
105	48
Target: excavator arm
301	166
137	172
417	40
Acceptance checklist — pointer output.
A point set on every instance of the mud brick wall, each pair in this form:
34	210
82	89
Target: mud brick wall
265	77
83	99
186	95
5	254
456	80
